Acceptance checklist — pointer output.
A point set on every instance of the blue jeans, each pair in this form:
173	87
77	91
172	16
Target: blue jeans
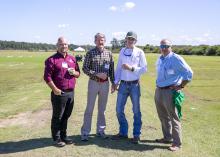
132	90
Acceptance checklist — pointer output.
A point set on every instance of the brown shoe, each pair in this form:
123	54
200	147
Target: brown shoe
174	148
102	135
84	138
119	137
135	140
163	140
59	143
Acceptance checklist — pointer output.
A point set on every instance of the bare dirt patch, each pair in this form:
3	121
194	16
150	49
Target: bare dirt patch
27	119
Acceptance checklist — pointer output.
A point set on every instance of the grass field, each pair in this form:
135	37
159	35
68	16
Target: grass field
25	112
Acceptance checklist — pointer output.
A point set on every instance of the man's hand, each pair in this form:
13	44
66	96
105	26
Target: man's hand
102	76
176	88
73	72
114	87
57	91
126	67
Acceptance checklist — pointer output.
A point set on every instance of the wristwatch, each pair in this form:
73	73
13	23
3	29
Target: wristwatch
132	69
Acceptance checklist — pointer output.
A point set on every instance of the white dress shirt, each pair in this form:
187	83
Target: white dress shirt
134	57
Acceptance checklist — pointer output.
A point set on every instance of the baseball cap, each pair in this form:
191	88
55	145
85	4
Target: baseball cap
131	34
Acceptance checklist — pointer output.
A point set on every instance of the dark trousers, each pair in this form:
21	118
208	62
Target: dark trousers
62	109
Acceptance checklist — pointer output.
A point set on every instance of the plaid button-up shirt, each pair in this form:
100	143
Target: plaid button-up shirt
99	62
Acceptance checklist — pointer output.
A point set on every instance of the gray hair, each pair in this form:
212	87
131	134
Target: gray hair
167	41
99	35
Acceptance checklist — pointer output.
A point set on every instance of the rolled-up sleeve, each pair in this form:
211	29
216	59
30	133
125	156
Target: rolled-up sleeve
48	71
184	69
87	69
142	68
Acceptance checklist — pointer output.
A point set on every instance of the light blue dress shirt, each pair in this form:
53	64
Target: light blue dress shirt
172	70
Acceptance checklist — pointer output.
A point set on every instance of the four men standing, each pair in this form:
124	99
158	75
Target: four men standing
61	69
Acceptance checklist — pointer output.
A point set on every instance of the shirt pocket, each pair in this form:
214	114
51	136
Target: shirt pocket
170	71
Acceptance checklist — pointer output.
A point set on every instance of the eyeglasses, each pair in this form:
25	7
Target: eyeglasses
164	46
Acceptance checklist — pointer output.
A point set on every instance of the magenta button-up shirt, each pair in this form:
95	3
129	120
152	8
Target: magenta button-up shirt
56	70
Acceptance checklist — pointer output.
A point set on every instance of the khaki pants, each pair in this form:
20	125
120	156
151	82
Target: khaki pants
168	115
101	89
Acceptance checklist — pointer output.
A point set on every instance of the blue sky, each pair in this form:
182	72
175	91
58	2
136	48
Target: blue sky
191	22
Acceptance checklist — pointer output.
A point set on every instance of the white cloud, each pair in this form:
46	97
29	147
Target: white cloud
119	35
129	5
125	7
63	25
113	8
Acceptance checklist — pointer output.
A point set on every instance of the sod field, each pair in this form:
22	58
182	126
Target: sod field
25	112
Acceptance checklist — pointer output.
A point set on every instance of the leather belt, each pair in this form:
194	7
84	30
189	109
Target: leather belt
67	90
99	80
166	87
130	82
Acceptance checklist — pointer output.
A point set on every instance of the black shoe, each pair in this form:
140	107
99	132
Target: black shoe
59	143
135	140
67	140
119	137
163	140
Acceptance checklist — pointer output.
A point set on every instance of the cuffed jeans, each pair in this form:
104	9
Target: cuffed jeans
132	90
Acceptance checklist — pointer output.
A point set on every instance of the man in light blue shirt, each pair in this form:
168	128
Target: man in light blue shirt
131	65
173	73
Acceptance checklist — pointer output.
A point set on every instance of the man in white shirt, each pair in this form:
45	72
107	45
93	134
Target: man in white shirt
131	65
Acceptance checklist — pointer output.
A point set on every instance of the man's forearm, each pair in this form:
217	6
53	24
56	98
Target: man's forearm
183	84
52	86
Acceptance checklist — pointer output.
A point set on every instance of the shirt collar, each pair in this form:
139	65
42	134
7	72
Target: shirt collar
60	55
97	49
167	56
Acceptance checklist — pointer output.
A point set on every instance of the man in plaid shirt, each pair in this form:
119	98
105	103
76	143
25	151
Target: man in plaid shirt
99	66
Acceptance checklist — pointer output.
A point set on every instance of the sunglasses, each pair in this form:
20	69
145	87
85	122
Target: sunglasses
164	46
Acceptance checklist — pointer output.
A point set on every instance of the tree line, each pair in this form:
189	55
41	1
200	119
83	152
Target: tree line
13	45
205	50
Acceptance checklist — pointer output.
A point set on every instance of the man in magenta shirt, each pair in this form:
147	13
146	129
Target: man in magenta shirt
61	71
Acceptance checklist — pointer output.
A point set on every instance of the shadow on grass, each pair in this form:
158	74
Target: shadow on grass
25	145
124	145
